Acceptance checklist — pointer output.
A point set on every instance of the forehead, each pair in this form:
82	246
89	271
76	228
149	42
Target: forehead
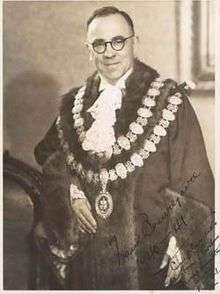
107	27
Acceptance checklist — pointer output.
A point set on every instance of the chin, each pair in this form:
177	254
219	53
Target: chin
114	76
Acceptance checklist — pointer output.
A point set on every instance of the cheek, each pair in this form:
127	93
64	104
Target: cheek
128	54
98	61
127	59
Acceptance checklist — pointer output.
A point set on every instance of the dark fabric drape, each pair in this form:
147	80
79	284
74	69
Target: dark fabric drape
172	194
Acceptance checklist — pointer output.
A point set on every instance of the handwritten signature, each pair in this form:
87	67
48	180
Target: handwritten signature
189	264
180	223
189	182
149	228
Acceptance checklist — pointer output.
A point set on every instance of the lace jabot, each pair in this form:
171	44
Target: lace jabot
101	136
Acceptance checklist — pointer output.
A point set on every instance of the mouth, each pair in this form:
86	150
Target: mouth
111	64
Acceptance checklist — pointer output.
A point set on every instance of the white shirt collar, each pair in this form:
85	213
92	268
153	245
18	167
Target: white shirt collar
120	83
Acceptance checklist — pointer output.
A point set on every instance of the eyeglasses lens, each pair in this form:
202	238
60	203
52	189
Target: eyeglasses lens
99	48
116	44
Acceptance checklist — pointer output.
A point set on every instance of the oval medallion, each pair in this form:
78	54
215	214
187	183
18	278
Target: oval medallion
144	112
172	107
124	142
104	204
164	123
144	154
85	145
136	128
168	115
121	170
112	175
174	100
104	175
82	136
149	146
96	178
159	131
70	158
60	134
136	159
155	139
78	122
79	95
89	175
149	102
157	84
129	166
142	121
77	108
76	116
79	167
132	137
116	149
153	92
78	102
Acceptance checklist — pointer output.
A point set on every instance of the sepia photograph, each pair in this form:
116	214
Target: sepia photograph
109	145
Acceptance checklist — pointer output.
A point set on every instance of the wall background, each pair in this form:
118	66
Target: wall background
44	56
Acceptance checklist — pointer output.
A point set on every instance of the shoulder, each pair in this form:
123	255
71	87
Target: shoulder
173	92
145	76
176	103
67	100
173	107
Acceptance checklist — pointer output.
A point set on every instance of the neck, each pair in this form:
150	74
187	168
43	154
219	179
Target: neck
114	82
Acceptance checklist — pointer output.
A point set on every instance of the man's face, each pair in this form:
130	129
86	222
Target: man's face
111	64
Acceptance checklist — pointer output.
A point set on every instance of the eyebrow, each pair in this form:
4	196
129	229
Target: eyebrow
103	40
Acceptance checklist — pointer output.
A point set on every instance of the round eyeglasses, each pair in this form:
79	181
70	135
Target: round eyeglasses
117	44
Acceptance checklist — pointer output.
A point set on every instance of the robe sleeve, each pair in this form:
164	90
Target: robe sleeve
190	172
57	225
57	216
48	145
191	181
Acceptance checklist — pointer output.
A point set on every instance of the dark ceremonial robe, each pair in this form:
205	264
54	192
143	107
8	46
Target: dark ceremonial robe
172	194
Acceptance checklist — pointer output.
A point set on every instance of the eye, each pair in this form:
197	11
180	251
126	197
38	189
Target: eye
99	46
118	41
98	43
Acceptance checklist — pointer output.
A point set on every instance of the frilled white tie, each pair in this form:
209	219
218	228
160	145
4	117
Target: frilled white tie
101	137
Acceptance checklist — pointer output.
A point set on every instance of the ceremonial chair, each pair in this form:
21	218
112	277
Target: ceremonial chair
21	191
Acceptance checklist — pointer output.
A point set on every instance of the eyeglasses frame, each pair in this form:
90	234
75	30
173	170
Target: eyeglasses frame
110	42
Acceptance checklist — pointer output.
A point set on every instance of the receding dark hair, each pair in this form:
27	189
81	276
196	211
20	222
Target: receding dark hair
108	10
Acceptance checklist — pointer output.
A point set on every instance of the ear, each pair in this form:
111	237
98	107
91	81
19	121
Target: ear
136	44
91	53
136	40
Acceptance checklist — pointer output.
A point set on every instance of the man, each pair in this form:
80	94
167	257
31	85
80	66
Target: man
126	182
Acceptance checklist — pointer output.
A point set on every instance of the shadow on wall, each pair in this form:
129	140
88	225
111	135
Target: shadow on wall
30	105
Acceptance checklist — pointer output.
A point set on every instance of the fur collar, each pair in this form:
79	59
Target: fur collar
137	85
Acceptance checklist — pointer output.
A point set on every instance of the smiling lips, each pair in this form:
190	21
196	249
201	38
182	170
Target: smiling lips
111	64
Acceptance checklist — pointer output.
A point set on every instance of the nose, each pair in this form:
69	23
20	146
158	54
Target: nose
109	52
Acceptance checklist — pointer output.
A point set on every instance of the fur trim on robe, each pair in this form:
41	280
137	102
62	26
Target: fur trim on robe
142	193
